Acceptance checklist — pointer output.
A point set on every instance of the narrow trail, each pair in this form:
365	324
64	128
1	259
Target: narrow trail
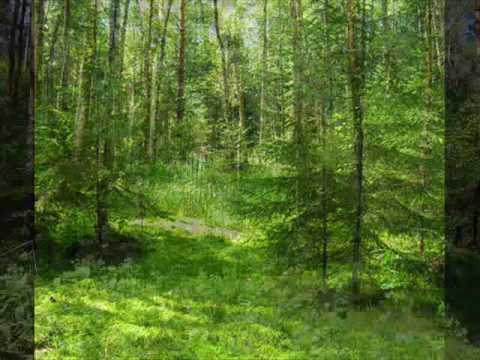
190	225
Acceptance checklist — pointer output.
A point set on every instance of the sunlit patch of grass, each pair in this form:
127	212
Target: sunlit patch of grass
207	298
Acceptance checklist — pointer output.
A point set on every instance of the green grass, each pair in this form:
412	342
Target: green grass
208	298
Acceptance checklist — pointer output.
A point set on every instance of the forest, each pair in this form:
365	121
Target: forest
241	179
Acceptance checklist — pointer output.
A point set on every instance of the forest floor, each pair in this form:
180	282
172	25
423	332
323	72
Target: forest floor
196	294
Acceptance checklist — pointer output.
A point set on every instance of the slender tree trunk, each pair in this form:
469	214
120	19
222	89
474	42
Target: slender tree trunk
79	90
323	139
131	114
437	31
39	33
221	45
298	92
181	63
66	54
386	49
279	130
115	77
264	71
52	54
241	119
88	79
160	65
356	78
148	80
123	35
297	73
105	161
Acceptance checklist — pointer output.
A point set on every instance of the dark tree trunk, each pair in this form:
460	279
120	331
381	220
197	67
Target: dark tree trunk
16	163
462	153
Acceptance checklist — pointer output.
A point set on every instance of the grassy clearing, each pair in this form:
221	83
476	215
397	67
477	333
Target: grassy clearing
203	297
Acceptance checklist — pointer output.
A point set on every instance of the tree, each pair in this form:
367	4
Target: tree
356	76
263	90
87	79
181	63
223	57
148	83
66	52
18	32
160	68
106	158
126	12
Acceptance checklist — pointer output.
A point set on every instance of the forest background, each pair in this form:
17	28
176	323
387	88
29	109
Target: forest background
310	130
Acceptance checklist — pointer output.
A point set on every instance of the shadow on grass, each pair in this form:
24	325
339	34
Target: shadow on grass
197	297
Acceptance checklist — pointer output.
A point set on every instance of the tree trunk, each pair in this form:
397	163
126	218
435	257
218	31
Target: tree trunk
53	47
39	32
323	139
160	65
221	45
264	71
66	54
279	130
241	119
87	81
106	160
148	80
386	46
356	77
124	35
298	93
17	213
297	72
181	63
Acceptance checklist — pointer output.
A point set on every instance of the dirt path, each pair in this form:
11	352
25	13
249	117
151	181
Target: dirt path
193	226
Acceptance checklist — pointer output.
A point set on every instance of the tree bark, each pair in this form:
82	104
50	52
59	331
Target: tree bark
356	78
386	46
38	49
223	57
301	160
323	140
148	80
87	81
51	56
160	64
17	215
241	118
263	101
123	35
66	54
181	63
